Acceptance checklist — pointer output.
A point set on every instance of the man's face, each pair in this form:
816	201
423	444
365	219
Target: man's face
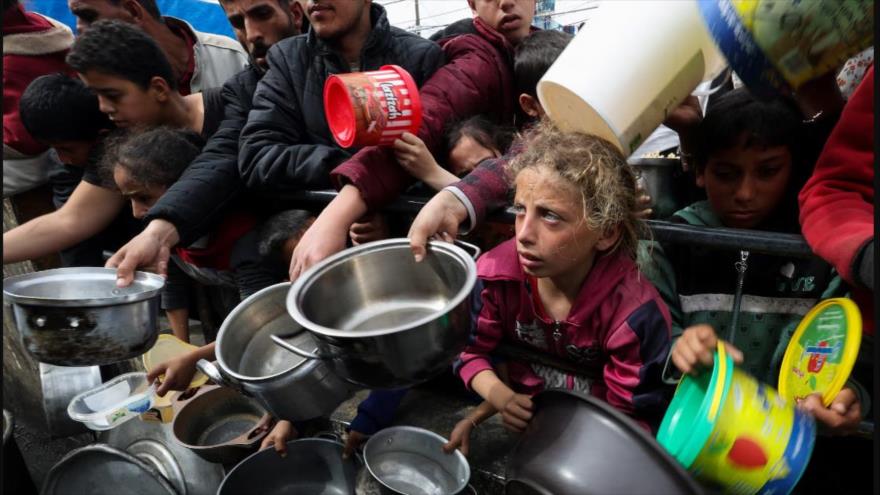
89	11
332	19
72	152
259	24
126	103
511	18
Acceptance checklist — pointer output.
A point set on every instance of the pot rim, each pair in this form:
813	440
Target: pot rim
225	328
218	390
52	478
154	282
420	431
312	274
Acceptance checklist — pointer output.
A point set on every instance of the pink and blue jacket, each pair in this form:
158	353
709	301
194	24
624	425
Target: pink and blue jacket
618	333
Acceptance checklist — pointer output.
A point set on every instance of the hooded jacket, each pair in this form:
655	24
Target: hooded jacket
477	79
286	144
618	332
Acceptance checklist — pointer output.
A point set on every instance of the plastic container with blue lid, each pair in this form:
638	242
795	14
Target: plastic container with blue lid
113	403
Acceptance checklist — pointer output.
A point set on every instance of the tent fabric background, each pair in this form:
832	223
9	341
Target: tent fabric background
204	15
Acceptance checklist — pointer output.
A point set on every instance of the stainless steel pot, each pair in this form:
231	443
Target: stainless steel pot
60	384
410	461
153	443
99	469
579	444
657	176
218	424
78	317
380	319
312	466
289	386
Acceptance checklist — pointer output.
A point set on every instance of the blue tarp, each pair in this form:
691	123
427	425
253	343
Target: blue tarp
204	15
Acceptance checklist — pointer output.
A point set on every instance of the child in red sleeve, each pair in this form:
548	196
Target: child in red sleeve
567	285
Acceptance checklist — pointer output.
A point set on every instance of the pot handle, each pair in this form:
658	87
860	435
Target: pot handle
475	251
296	350
216	376
251	437
180	399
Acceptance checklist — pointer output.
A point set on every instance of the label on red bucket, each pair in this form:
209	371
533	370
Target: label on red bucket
372	108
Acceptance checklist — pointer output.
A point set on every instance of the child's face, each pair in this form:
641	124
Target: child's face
746	185
467	154
126	103
553	238
142	196
73	152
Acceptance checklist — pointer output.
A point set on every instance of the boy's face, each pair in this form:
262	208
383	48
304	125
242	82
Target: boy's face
746	185
467	154
142	196
511	18
332	19
73	152
126	103
259	24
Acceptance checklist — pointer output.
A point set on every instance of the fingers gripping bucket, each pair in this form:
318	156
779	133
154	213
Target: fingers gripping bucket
661	52
372	108
728	429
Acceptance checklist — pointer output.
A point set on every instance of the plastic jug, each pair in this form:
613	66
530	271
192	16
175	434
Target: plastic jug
634	63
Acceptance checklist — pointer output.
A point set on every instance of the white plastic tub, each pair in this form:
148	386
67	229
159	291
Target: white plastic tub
114	402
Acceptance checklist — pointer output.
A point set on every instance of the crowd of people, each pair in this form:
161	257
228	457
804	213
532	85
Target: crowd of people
180	152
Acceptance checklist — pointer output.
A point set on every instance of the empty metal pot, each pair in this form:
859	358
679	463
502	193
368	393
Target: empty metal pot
60	384
312	466
380	319
99	469
218	424
658	177
410	461
78	317
577	444
289	386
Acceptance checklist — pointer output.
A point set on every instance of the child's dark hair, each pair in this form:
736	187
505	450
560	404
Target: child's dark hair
156	156
482	130
123	50
274	232
774	122
57	107
534	56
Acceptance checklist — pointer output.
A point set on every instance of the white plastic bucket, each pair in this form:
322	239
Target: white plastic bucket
634	62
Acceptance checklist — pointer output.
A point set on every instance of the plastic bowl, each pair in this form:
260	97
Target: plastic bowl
114	402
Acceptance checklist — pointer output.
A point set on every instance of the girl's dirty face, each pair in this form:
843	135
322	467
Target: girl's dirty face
553	238
142	196
467	154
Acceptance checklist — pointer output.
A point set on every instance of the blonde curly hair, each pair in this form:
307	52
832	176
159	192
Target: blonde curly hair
597	169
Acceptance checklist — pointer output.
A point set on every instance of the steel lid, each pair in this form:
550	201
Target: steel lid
79	287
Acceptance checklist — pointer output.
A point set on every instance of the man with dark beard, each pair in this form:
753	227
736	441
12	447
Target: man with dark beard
193	205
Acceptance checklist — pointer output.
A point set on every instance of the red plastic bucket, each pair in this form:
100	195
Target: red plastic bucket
372	108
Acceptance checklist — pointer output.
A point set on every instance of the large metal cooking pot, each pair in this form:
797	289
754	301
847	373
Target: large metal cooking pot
659	176
578	444
312	465
382	320
60	384
99	469
289	386
218	424
153	443
78	317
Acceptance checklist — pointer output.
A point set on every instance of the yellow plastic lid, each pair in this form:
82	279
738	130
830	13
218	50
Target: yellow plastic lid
169	347
822	351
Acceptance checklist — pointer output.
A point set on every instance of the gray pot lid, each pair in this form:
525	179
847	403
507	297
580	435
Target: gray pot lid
79	287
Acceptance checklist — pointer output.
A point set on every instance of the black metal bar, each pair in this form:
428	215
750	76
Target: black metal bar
754	241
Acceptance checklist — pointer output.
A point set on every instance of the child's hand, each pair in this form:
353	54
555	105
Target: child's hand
842	417
696	348
178	373
353	440
643	201
460	438
373	229
279	436
414	156
517	412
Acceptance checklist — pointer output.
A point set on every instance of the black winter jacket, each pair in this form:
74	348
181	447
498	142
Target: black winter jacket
199	198
286	144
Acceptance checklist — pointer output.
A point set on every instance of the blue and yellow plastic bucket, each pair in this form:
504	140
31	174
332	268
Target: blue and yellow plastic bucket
728	429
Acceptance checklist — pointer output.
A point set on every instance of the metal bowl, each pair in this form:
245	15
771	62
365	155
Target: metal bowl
411	461
78	317
99	469
382	320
